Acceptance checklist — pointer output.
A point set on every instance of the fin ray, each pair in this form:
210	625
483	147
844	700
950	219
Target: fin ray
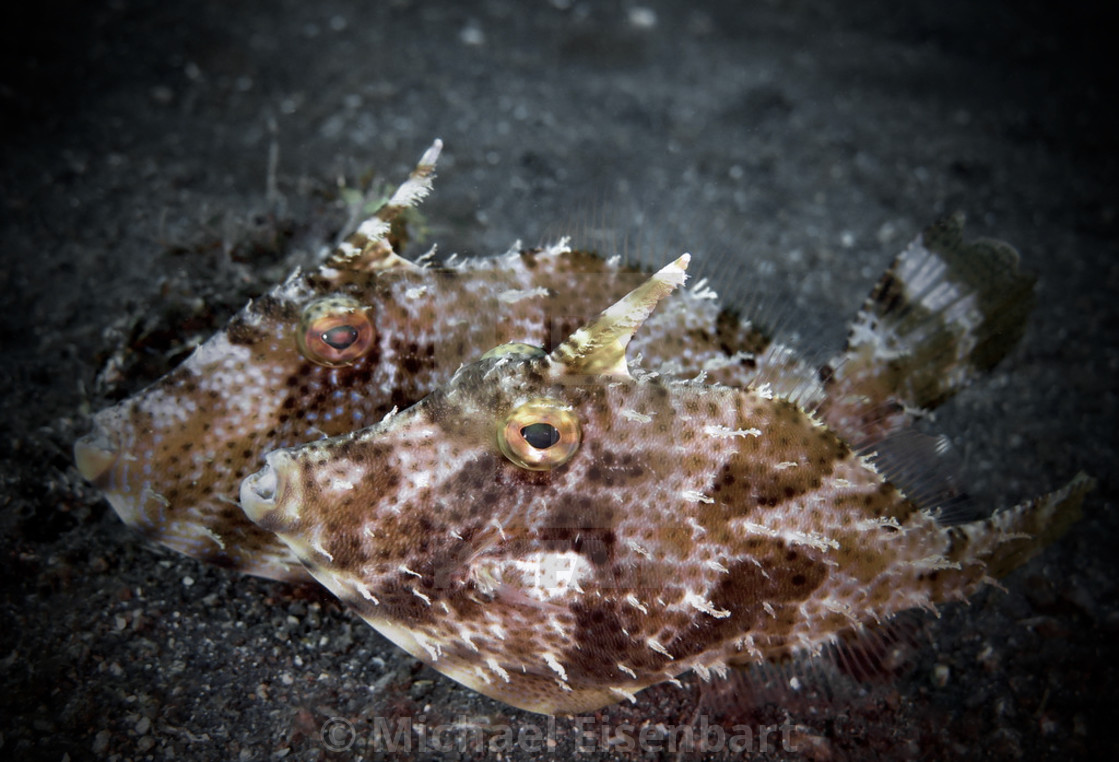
945	311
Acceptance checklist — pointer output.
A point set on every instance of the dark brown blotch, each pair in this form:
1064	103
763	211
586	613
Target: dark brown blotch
600	643
793	576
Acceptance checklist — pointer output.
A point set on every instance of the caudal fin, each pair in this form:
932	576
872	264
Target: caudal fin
944	312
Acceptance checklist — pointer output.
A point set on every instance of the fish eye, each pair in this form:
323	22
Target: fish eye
540	435
334	331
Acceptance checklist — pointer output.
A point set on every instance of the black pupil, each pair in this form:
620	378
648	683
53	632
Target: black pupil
541	435
340	336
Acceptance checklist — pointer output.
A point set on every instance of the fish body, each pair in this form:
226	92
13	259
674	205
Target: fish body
535	520
559	532
339	347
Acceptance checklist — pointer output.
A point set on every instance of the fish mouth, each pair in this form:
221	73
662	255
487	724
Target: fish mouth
263	493
96	453
258	493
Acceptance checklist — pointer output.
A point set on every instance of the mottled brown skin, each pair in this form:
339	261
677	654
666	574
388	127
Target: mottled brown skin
171	458
696	526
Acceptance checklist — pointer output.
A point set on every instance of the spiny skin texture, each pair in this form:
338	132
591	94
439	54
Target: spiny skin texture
694	526
171	458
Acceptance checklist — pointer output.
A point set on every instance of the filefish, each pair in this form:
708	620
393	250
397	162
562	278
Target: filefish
338	347
559	529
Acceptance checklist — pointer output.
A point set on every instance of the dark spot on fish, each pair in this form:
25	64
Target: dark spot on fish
411	364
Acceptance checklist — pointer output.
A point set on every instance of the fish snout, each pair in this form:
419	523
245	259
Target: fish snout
264	494
96	453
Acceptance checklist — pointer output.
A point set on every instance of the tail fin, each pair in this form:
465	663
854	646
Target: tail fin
944	312
1010	538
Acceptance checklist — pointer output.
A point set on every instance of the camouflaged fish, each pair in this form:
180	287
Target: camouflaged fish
558	532
335	349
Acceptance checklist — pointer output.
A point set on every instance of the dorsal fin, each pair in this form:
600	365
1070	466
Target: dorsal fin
944	312
599	348
368	249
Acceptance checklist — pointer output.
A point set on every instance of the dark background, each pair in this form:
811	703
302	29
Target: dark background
793	147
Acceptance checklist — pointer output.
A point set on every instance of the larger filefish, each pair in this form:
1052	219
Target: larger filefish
559	533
